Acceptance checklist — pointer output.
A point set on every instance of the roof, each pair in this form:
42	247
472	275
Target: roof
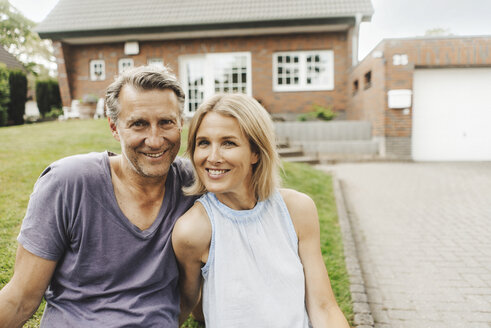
76	16
9	60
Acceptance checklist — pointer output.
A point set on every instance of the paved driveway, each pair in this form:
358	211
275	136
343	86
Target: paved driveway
423	234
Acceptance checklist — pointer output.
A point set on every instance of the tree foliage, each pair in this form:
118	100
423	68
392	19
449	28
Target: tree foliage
438	31
18	37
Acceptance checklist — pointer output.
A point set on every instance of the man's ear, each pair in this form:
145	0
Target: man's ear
114	128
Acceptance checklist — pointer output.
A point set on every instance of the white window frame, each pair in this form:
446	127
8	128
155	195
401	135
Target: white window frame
209	74
97	65
159	62
303	72
125	63
400	60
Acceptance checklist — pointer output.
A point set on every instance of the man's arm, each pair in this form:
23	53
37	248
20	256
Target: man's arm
20	298
191	240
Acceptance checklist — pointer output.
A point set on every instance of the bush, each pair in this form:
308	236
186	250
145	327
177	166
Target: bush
4	94
323	113
319	113
54	113
18	97
47	95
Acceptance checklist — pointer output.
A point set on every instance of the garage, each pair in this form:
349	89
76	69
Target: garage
451	114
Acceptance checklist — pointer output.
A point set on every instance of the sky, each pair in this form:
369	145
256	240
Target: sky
392	18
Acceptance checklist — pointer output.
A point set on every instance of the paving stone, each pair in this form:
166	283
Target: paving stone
423	237
361	308
363	319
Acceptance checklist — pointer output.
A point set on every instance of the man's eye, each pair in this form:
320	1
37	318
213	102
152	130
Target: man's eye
138	124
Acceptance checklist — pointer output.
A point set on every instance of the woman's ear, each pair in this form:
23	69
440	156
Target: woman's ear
254	157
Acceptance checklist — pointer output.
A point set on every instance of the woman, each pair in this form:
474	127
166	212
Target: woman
256	246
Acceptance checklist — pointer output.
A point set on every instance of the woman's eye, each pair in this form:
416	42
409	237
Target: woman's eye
230	143
202	143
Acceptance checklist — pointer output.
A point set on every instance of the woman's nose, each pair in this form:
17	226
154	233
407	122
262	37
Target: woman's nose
214	156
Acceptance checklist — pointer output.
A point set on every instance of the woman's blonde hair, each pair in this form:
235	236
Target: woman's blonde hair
257	126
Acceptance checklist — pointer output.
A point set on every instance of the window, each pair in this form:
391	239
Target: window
124	64
355	86
399	60
303	70
97	70
156	62
204	75
368	79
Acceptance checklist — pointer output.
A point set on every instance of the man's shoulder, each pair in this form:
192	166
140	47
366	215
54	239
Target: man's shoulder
76	166
183	170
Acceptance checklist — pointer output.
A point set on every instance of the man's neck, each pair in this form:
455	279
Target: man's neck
139	198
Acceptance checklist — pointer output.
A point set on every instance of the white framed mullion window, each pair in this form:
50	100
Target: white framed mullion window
303	70
97	70
157	62
204	75
192	71
124	64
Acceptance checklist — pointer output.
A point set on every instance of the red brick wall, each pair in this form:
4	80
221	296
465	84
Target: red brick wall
372	105
62	54
428	52
260	47
368	103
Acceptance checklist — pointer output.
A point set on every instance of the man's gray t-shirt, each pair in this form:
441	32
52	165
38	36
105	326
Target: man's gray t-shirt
109	272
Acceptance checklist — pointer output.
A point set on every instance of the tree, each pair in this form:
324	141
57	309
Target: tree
18	37
438	31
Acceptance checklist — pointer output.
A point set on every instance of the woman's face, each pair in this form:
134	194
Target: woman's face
223	156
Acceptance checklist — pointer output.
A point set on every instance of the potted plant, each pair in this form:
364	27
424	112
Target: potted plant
87	106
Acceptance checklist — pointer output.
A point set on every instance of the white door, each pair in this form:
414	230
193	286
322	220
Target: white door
204	75
451	114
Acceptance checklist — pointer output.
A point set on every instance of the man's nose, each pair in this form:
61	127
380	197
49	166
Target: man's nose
155	138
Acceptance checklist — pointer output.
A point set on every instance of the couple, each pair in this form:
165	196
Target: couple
98	240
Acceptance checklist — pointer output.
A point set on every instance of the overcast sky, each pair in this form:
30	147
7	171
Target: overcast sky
392	18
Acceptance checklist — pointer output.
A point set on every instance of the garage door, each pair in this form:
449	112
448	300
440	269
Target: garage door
452	114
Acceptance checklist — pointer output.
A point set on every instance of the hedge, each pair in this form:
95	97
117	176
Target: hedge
18	97
4	94
47	95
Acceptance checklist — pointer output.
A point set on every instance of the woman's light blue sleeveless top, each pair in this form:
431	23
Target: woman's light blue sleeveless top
253	277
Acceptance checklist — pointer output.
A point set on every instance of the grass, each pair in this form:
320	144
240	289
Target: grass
26	150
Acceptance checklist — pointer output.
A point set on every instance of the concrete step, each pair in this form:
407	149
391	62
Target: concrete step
321	131
290	151
348	147
302	159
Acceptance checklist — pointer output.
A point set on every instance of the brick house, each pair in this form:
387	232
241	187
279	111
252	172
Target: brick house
288	54
426	98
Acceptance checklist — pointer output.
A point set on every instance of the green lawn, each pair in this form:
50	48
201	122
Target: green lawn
26	150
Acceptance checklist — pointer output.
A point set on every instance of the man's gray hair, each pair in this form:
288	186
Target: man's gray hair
142	78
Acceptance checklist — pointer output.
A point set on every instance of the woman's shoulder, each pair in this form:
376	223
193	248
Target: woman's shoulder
302	210
295	199
193	228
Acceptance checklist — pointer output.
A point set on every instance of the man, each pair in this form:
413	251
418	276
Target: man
96	236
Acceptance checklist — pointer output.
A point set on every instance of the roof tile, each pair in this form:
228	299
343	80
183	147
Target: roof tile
86	15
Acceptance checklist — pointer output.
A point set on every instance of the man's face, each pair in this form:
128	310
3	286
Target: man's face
149	130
